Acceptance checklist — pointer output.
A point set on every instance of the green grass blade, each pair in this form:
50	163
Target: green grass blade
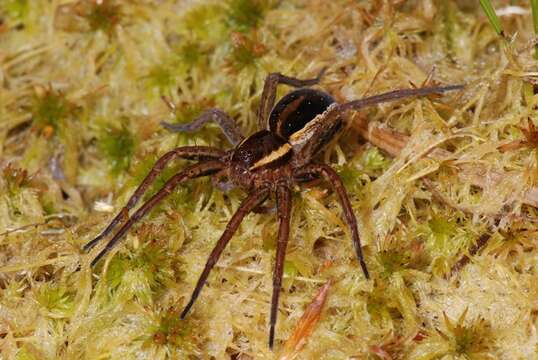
492	16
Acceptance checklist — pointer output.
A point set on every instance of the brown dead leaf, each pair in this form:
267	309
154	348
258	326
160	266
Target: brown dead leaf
306	325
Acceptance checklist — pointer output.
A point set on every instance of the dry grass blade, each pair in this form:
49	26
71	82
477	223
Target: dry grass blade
306	325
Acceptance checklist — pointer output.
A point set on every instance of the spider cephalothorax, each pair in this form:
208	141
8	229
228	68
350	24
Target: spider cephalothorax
266	164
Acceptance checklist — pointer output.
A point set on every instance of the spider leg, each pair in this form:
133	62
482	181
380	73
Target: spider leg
396	95
284	214
313	137
187	152
252	201
226	123
332	177
194	171
272	80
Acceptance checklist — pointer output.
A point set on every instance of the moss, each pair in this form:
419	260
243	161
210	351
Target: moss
80	110
16	9
15	178
58	300
204	23
50	109
118	146
25	354
103	15
246	14
374	161
246	51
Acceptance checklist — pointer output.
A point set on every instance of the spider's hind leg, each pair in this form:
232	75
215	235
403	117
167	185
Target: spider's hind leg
332	178
267	101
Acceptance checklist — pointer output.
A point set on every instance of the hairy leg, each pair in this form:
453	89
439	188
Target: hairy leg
332	177
308	142
194	171
284	214
187	152
396	95
226	123
272	80
252	201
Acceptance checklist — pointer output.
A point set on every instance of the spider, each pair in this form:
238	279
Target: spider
265	165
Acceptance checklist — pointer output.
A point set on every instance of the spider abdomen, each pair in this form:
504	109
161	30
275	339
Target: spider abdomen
296	109
300	118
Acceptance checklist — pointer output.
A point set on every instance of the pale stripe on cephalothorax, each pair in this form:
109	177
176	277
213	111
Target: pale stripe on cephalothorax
272	156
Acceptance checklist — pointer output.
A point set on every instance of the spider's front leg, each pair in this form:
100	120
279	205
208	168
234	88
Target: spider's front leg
194	171
226	123
332	178
267	101
187	152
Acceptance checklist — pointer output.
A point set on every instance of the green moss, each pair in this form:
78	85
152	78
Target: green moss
162	77
174	332
155	263
51	109
471	340
392	261
25	354
350	175
290	270
57	299
191	53
373	160
246	14
245	51
16	9
118	146
441	230
103	15
117	267
204	24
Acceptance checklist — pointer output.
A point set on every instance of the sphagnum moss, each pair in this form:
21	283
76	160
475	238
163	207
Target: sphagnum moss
80	105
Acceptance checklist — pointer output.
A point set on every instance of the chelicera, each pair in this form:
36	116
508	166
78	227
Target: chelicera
265	165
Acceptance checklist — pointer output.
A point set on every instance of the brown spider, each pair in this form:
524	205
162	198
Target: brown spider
265	164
